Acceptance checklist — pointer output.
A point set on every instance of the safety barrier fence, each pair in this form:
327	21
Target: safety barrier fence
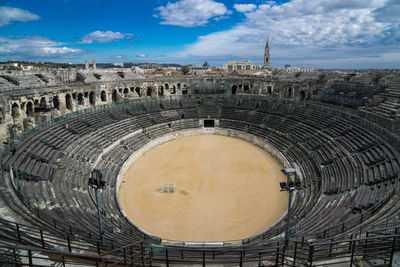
377	246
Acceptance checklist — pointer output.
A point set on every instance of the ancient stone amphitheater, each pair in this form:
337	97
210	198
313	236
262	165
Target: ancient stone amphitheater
338	130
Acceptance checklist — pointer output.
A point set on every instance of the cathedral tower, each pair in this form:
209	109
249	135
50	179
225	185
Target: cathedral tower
94	64
266	57
86	63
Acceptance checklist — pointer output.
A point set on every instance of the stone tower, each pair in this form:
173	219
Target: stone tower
266	56
94	63
86	63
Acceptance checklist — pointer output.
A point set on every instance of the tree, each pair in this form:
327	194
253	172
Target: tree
185	70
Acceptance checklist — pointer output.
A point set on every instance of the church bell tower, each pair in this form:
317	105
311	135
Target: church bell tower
266	56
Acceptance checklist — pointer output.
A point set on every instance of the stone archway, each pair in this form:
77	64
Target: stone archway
302	95
29	109
92	98
15	112
56	102
138	91
81	101
103	96
234	89
160	90
68	101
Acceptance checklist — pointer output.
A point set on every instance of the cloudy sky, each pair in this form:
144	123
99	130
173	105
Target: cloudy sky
305	33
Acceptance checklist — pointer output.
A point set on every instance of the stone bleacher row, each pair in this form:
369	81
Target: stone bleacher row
346	170
26	80
352	95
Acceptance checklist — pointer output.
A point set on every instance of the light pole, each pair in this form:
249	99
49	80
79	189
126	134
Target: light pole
97	183
289	186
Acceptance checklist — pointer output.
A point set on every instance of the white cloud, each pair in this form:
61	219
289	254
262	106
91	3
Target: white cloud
104	37
191	13
34	46
142	56
302	25
9	15
244	7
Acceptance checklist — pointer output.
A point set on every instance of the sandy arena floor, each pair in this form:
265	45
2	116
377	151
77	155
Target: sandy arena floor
226	189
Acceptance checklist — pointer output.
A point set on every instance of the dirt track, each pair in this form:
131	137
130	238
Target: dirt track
226	189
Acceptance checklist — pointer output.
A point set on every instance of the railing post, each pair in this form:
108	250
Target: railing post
98	247
42	238
295	253
330	247
151	256
30	258
69	244
166	257
277	255
18	233
393	247
352	252
351	239
124	253
365	243
310	255
204	258
142	252
15	256
241	259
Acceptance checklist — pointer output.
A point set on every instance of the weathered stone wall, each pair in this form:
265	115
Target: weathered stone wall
29	98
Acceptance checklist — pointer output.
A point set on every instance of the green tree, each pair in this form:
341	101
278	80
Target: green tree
185	70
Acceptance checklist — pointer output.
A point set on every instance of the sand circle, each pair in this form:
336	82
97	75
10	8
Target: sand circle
225	189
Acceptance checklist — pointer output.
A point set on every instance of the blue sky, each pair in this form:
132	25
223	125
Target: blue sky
305	33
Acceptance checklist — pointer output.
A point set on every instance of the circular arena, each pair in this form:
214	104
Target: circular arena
342	172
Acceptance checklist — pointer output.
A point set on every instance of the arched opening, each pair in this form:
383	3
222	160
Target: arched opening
80	99
166	86
234	89
246	88
172	91
137	90
289	95
161	90
126	92
148	91
43	104
184	89
302	95
178	85
29	109
56	102
103	96
269	90
68	101
15	110
92	98
120	90
114	95
132	89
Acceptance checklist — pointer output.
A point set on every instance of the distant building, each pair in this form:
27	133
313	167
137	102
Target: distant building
200	69
289	68
119	64
233	65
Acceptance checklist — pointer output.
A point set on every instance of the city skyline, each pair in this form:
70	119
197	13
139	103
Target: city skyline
321	34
